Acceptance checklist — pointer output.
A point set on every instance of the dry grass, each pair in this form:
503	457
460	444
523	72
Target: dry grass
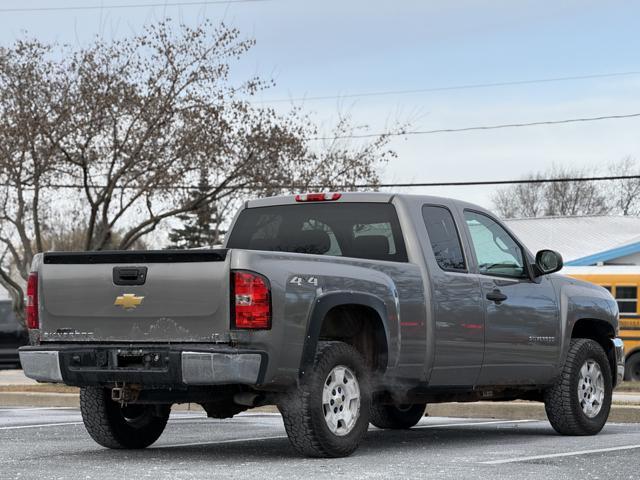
39	388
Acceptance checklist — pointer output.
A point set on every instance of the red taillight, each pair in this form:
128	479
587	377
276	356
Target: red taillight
251	301
32	301
317	197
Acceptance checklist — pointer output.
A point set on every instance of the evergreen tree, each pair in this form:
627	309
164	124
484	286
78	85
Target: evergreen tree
200	227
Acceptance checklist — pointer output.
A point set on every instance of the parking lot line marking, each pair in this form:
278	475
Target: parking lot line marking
473	424
186	419
559	455
25	409
182	419
220	442
253	439
258	414
41	425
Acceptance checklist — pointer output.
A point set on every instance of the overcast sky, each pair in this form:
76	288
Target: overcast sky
347	47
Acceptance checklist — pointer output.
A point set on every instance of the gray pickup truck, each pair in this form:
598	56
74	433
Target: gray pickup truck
341	309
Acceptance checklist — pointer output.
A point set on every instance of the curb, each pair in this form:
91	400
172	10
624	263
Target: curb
517	410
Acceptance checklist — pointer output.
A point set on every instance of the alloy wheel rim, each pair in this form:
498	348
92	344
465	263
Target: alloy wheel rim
591	388
341	400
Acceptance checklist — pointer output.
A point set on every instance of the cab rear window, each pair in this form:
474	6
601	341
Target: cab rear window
358	230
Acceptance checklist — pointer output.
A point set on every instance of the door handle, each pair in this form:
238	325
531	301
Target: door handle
129	275
496	296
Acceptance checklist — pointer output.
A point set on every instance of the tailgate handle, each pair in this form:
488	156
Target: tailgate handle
129	275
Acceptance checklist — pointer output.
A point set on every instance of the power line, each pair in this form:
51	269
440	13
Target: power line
504	182
454	87
128	5
481	127
371	185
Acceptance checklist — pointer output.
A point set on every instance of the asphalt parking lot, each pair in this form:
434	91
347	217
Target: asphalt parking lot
48	443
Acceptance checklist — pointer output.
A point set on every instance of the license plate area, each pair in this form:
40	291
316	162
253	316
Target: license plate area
118	359
140	360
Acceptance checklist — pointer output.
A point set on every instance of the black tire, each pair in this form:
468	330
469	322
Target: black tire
396	417
114	426
562	402
632	368
303	411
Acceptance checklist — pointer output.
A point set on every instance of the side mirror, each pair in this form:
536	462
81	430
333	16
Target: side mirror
547	261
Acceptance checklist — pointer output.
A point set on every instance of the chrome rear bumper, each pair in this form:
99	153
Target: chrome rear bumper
166	365
618	347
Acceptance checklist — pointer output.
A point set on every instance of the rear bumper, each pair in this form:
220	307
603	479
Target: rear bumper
618	347
149	365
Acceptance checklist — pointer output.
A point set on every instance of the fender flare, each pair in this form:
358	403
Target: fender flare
322	306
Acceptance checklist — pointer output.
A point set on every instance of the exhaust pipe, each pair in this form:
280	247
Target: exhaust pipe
248	399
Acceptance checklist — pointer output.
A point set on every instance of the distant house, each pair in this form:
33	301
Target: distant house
583	241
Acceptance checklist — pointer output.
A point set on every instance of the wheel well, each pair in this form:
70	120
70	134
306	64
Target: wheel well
361	327
601	332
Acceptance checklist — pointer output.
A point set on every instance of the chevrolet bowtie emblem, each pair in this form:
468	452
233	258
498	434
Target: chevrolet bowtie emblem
128	301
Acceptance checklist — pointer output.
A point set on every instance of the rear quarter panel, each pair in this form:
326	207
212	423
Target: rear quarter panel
300	281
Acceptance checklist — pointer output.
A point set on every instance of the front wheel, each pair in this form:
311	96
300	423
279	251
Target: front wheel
328	414
580	401
396	417
114	426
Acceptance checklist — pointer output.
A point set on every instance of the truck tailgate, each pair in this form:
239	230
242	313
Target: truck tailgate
151	296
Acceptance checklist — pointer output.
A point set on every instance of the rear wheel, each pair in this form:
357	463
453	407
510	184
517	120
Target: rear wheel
114	426
328	414
396	417
579	402
632	368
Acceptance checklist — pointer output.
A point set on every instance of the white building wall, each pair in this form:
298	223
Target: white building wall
633	259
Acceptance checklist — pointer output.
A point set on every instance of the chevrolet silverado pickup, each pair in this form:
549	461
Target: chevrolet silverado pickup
342	309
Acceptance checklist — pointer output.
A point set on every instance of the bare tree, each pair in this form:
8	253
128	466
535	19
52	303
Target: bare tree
522	200
624	194
574	197
554	198
108	140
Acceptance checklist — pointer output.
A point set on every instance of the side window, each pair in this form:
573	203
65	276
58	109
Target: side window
444	238
627	298
497	253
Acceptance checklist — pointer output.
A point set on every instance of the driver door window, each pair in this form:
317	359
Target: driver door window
496	251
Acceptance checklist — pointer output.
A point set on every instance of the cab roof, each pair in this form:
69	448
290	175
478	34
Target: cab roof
363	197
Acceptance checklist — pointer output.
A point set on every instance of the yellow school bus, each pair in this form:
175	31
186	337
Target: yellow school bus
623	282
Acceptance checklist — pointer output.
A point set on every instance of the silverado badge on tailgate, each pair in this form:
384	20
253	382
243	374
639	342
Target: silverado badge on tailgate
128	301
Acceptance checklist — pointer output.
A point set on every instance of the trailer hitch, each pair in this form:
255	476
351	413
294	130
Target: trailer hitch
125	394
